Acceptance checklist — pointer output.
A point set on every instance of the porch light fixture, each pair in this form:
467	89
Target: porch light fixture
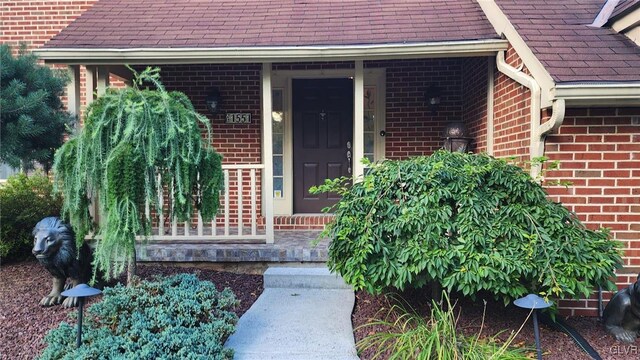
534	302
214	100
80	291
456	137
433	96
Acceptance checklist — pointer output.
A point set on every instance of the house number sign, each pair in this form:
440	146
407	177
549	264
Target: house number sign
238	118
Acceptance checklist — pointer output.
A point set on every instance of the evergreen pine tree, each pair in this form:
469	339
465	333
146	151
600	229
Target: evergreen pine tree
32	117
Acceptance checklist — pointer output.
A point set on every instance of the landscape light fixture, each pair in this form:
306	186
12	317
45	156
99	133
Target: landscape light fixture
214	100
80	291
534	302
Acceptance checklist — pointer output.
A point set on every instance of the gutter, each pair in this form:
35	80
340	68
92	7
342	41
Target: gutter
599	93
97	56
538	131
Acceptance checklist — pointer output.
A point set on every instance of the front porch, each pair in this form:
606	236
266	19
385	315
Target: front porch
288	246
389	115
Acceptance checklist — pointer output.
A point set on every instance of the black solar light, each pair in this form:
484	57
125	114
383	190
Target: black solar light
534	302
81	291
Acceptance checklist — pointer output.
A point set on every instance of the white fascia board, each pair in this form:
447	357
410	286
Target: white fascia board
270	54
626	22
599	94
503	27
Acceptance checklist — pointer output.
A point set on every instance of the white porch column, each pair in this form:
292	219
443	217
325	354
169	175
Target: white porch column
73	92
358	120
267	152
491	65
89	90
90	83
103	79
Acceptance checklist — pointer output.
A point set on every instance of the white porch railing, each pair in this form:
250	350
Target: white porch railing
237	217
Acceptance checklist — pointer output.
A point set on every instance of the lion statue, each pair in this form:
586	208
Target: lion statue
621	317
55	248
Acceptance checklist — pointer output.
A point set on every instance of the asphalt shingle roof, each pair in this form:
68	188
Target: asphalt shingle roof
559	36
250	23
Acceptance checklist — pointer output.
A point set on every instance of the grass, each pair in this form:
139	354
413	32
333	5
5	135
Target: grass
409	335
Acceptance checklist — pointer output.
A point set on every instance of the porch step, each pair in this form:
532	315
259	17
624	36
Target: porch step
303	278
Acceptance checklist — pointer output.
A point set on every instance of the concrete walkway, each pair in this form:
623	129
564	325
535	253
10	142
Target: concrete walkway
303	314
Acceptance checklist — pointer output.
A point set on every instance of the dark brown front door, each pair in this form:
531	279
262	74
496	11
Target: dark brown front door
322	136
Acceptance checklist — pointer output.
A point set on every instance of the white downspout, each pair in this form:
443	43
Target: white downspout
534	87
538	131
554	122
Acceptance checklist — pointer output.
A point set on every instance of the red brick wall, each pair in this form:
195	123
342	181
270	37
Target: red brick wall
35	22
474	95
412	129
511	108
599	153
239	87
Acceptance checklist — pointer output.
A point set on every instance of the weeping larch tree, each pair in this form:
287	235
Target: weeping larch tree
135	143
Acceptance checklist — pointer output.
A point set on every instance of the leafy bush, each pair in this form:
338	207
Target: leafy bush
24	200
409	335
179	317
469	222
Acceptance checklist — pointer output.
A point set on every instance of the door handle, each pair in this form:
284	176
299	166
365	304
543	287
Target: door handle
349	157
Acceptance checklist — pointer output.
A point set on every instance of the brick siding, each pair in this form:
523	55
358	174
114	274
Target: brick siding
412	128
599	153
35	22
474	95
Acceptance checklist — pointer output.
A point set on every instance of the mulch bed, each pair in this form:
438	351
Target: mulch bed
24	323
555	344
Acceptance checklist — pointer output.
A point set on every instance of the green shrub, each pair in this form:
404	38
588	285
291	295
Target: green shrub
33	120
24	200
469	222
410	336
179	317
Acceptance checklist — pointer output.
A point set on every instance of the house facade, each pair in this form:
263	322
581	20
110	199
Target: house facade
306	90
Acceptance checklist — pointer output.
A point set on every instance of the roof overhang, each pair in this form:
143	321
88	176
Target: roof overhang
599	94
104	56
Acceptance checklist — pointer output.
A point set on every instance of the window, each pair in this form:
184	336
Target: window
369	121
277	121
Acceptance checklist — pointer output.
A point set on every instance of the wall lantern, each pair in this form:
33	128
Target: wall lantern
433	96
456	137
534	302
80	291
214	101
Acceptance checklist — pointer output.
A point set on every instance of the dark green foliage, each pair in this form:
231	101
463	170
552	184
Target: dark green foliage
178	317
130	137
23	202
32	119
469	222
